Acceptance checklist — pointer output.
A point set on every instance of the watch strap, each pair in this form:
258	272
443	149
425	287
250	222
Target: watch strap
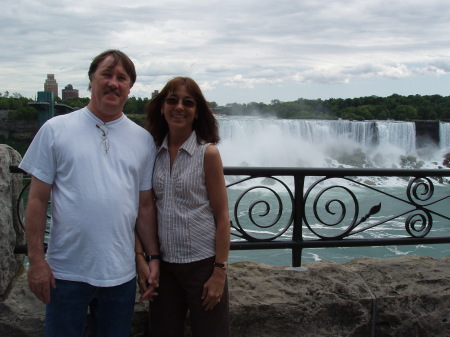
221	265
148	258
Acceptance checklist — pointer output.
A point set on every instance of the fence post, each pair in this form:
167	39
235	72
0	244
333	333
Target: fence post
299	209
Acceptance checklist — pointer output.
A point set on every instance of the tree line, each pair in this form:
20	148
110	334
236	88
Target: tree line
395	107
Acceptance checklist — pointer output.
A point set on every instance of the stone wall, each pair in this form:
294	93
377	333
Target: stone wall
402	297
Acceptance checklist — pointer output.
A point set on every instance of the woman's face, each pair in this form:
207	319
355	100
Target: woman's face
179	109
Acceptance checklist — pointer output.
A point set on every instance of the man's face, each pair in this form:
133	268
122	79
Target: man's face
110	87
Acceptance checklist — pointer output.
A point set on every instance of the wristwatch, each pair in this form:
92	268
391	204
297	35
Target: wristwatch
153	257
148	258
221	265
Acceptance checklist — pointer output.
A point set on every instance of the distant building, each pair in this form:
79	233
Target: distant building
69	92
51	85
154	93
45	106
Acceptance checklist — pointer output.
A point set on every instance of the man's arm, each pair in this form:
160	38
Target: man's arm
40	276
147	230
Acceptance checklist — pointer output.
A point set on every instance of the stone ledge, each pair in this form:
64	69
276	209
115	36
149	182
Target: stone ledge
407	296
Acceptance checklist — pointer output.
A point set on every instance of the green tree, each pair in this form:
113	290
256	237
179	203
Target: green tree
405	113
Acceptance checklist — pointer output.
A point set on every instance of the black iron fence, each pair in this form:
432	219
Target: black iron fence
302	208
336	207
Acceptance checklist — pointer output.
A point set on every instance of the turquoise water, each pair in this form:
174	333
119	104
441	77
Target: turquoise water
367	199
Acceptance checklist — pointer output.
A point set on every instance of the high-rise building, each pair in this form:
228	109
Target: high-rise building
69	91
51	85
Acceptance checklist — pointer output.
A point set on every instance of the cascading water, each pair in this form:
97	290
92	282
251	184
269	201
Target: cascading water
444	136
250	141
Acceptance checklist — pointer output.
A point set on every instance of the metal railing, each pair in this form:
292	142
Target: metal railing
301	208
316	220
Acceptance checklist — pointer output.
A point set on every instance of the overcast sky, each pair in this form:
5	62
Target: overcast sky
237	50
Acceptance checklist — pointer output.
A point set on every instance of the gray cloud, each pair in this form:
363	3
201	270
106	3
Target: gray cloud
238	45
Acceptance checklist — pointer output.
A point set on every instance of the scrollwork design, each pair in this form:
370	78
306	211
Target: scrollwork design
337	209
272	227
419	224
420	190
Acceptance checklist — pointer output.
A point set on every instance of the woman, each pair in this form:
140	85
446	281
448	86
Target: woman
192	212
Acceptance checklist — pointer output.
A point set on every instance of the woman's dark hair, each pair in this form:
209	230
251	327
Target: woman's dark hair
118	56
205	125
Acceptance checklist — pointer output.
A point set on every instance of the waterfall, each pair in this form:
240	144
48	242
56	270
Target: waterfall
444	136
400	134
253	141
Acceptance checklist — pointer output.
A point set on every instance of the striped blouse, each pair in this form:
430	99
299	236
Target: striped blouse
186	226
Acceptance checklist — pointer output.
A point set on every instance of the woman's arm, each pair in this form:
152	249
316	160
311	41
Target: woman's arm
218	199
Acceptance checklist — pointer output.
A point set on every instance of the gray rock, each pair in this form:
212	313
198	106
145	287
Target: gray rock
408	296
11	234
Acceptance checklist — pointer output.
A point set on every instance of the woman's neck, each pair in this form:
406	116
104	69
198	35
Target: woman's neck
176	139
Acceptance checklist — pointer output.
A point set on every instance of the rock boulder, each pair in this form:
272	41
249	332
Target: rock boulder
11	234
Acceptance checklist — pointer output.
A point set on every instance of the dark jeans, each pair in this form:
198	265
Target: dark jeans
111	309
180	291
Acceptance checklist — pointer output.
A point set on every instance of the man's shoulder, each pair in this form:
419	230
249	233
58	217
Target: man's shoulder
68	116
136	127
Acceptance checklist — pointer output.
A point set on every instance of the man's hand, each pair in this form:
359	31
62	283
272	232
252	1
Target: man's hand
40	279
142	273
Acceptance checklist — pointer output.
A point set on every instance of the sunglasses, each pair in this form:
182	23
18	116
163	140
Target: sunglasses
187	102
104	144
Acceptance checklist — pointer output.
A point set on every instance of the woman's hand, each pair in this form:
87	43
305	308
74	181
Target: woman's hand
213	289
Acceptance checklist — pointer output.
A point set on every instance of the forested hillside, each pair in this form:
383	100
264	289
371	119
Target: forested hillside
396	107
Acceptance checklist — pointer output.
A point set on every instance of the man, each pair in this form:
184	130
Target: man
97	165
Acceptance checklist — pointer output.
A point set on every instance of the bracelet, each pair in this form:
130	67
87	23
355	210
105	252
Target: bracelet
148	258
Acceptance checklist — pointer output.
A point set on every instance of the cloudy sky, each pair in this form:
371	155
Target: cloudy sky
237	50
